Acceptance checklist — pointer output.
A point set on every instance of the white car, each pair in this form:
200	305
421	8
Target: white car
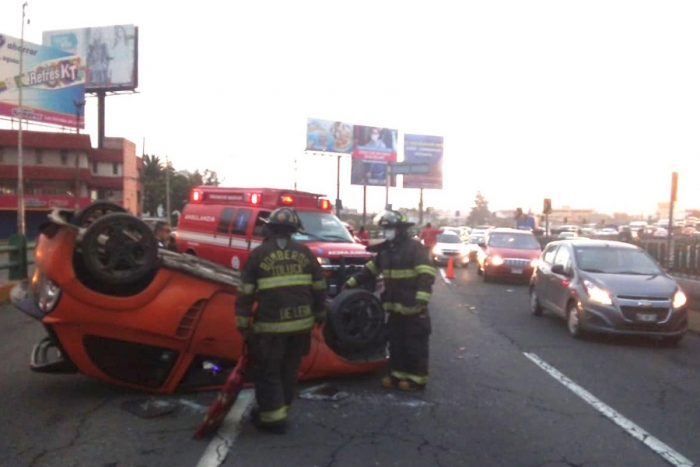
449	245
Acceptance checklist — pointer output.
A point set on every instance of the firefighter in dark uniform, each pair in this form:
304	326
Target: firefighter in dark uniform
408	279
286	281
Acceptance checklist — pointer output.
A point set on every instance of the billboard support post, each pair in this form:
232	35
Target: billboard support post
420	208
389	173
337	189
21	226
101	118
364	205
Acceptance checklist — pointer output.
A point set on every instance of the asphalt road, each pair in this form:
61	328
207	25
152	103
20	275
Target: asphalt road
487	403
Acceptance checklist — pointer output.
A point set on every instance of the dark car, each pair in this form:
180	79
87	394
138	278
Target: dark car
608	287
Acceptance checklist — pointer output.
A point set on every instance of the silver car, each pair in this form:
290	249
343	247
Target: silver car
608	287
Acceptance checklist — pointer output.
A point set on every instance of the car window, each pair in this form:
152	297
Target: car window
240	223
225	220
548	256
563	257
513	240
259	224
449	238
611	260
322	226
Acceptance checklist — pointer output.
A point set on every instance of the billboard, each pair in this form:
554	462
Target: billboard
110	54
422	149
373	149
325	135
52	82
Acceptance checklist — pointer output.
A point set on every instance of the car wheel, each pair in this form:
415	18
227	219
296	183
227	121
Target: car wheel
119	249
535	307
357	319
573	322
94	211
672	341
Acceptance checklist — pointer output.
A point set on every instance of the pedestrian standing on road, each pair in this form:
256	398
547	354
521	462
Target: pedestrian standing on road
285	279
408	280
429	236
164	236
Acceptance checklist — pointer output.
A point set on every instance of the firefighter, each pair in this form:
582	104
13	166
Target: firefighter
408	279
286	281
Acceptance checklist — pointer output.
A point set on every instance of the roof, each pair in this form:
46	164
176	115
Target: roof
219	189
509	230
593	243
45	140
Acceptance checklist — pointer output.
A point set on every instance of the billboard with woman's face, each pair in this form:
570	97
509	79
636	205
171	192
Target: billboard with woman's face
110	52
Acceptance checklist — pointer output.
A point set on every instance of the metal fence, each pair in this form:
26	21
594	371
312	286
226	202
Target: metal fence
16	256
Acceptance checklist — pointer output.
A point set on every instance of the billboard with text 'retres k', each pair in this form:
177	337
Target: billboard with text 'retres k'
110	54
52	81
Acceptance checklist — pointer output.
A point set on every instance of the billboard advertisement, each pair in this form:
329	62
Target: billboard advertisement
110	54
373	149
52	82
325	135
422	149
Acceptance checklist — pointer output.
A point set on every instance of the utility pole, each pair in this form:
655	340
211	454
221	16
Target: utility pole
420	208
337	191
21	226
167	189
669	240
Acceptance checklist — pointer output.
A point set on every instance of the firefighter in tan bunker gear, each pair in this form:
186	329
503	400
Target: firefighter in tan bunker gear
408	279
285	279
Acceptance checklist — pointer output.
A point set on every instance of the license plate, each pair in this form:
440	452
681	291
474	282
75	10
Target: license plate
517	270
646	317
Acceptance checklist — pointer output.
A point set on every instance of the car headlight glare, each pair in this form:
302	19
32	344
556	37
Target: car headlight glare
496	260
596	294
437	250
323	261
679	299
49	293
534	263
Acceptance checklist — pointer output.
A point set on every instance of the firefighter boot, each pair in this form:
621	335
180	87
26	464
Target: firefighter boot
389	382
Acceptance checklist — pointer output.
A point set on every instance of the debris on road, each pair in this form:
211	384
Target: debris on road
324	392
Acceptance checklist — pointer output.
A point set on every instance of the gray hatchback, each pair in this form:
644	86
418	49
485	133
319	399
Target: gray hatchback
608	287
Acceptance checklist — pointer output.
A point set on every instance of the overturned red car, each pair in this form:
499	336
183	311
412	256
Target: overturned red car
119	309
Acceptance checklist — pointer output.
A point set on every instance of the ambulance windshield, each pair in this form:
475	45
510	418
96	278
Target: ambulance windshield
322	226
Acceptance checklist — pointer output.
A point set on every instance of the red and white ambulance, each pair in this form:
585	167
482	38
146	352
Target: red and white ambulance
224	224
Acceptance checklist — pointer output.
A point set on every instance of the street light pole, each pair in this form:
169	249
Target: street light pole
21	226
167	189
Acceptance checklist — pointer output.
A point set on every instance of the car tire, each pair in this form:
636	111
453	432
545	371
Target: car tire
94	211
672	341
535	306
573	321
119	249
357	318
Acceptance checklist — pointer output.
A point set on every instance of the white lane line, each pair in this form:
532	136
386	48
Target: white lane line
629	426
218	449
444	276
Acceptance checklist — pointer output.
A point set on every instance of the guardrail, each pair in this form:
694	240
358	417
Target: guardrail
17	249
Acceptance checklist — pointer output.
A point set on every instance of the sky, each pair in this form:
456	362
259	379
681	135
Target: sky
590	103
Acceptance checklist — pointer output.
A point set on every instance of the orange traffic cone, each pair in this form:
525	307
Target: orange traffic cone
450	268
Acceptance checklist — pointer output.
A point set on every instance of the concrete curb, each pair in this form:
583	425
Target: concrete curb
5	291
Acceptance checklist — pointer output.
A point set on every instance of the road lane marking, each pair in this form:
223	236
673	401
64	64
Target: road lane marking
218	449
637	432
444	276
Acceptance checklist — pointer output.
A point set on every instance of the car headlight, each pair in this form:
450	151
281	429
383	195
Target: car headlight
464	250
496	260
534	263
437	250
596	294
323	261
679	299
49	293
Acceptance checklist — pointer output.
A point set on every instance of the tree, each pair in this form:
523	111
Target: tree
480	213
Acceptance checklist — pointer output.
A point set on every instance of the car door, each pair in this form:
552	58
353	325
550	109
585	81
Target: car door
543	276
559	283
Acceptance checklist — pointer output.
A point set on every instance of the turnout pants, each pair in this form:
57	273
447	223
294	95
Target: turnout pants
276	359
408	347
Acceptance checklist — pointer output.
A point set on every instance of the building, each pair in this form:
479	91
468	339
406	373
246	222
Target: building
567	215
63	170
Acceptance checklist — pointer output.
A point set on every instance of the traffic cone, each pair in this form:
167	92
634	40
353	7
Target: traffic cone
450	268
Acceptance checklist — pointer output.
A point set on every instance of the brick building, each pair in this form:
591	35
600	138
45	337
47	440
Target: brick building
64	170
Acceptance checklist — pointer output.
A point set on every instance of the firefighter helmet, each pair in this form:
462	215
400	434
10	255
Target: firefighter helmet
284	217
389	218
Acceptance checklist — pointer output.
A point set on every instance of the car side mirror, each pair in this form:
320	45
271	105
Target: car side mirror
559	269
